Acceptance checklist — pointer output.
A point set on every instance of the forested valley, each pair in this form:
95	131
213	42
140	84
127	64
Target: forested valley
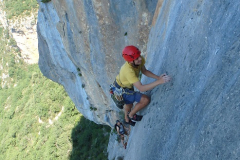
37	118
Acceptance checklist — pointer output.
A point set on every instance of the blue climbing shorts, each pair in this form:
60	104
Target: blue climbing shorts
131	96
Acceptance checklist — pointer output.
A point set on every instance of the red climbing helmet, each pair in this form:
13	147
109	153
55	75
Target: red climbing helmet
130	53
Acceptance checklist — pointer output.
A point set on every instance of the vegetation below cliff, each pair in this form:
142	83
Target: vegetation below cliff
37	118
20	7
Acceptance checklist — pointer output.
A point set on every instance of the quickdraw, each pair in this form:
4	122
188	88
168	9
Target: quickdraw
117	92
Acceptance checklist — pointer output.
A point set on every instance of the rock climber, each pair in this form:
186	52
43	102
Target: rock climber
129	77
121	130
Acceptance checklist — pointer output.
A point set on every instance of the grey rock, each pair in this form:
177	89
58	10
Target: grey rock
80	44
196	115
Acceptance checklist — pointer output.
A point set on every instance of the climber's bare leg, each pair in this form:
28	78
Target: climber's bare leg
143	103
127	109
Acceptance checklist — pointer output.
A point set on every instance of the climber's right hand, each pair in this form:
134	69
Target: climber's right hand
164	78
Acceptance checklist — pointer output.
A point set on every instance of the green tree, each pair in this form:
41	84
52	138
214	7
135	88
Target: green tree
28	101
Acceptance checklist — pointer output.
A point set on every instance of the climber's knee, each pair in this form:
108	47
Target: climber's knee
145	100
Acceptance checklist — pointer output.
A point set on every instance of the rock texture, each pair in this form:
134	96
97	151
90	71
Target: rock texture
80	45
196	115
24	32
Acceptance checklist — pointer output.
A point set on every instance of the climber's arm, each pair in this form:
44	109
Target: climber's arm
162	79
149	73
159	80
118	130
143	88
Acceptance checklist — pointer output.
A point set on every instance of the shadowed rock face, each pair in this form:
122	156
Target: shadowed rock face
197	42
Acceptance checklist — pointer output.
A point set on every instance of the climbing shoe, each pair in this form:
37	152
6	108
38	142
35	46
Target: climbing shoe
130	123
135	118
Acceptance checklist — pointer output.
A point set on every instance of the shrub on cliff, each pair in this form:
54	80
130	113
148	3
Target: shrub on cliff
19	7
45	1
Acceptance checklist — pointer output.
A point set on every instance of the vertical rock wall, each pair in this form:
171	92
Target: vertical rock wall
196	116
80	44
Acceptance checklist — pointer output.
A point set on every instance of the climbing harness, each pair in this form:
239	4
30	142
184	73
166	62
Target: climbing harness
117	93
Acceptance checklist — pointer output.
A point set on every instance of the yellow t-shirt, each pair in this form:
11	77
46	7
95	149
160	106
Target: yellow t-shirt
129	75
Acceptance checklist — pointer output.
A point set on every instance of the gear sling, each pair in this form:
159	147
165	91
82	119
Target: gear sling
117	92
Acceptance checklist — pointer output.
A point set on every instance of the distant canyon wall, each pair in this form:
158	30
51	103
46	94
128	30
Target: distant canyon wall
23	29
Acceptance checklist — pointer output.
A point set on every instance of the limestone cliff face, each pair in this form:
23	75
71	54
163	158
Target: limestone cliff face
196	116
24	31
80	45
